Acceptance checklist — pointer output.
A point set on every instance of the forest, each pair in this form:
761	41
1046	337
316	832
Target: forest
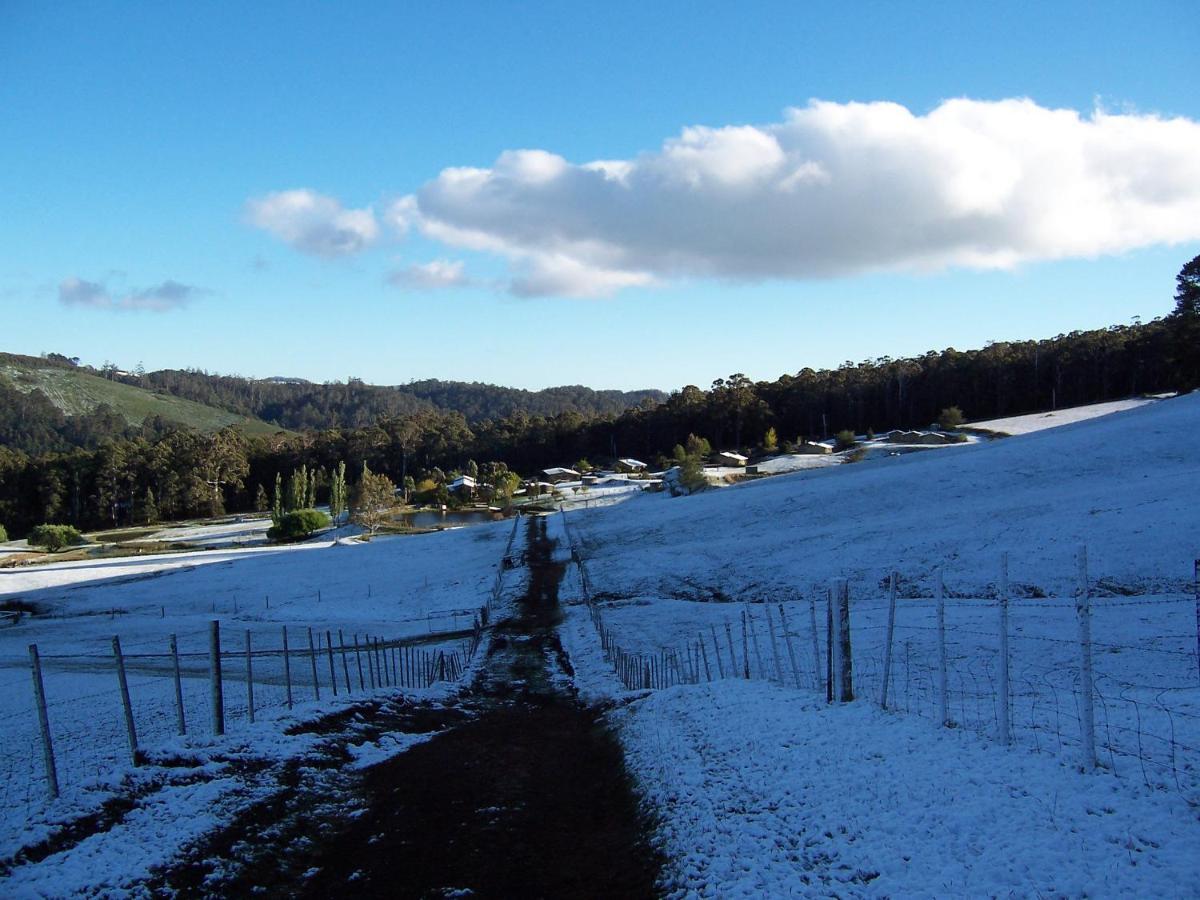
98	472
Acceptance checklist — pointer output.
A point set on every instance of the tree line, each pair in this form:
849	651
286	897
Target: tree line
177	473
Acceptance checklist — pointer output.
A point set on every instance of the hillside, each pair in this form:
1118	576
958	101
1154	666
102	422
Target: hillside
77	392
296	403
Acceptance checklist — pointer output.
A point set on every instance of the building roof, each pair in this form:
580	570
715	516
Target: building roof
632	463
729	454
462	481
558	470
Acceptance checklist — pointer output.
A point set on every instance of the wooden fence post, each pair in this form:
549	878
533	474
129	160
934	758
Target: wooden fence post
774	644
126	703
179	717
249	680
887	646
939	593
345	663
329	653
287	668
787	640
829	694
762	670
845	654
1005	720
1083	612
358	659
214	677
745	647
312	659
733	666
717	651
704	654
816	641
39	696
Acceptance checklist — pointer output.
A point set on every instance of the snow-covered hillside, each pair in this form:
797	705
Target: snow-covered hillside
1124	485
766	791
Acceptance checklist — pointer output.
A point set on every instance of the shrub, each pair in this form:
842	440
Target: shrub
844	440
298	524
950	418
3	535
54	537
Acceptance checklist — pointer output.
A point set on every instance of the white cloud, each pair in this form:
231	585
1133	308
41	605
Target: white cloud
159	298
438	273
832	189
313	223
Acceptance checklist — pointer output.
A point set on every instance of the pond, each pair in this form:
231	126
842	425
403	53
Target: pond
431	518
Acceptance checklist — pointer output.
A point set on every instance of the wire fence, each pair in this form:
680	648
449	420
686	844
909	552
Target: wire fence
92	715
1016	670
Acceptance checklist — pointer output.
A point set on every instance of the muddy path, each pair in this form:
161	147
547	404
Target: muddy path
523	793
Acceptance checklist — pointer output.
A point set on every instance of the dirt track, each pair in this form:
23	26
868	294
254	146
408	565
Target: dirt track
523	793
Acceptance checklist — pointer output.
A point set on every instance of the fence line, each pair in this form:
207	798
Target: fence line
967	663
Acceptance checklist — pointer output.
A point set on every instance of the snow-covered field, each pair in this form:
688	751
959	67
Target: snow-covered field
393	587
766	791
1028	424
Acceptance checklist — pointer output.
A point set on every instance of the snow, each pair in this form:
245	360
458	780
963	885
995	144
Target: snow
758	787
392	587
1028	424
768	792
764	790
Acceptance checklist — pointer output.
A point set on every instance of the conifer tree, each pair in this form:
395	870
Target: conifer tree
311	502
149	510
261	503
277	506
337	492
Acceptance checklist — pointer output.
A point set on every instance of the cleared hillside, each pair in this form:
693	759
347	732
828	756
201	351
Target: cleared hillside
76	392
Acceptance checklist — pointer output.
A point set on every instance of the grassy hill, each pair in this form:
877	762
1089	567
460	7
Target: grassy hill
75	391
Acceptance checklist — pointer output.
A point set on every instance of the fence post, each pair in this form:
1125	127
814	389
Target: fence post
1083	611
774	644
816	641
358	659
762	670
745	647
179	717
287	668
845	654
939	595
887	646
39	695
829	651
1005	720
249	680
717	651
329	652
733	667
126	703
312	659
704	654
345	663
214	677
787	640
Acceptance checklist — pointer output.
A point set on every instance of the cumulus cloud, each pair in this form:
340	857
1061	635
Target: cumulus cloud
832	189
438	273
313	223
159	298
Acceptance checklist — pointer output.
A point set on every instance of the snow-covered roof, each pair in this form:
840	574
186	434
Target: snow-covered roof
632	463
559	471
729	454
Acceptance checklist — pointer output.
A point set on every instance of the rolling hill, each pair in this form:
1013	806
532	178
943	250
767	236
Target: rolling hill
77	392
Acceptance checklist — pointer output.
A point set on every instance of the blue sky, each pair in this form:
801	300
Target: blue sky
138	138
